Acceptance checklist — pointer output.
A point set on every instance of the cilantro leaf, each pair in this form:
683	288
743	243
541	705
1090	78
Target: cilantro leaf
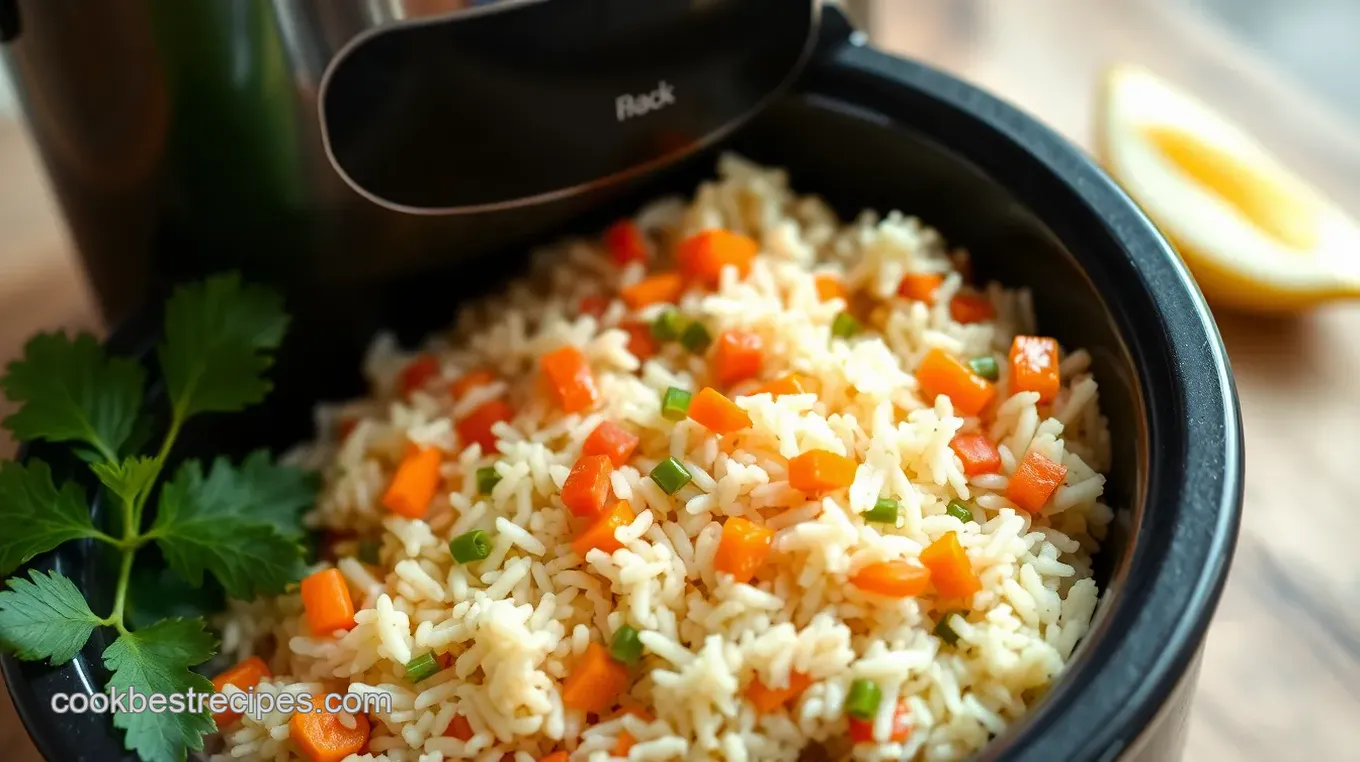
157	660
35	516
70	391
46	618
271	492
129	477
211	525
217	334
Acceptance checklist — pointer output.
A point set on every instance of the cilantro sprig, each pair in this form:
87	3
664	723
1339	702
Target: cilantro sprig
238	522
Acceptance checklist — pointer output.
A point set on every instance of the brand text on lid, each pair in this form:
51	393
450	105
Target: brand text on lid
628	106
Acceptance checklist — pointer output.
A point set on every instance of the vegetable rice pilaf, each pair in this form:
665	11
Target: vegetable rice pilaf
733	480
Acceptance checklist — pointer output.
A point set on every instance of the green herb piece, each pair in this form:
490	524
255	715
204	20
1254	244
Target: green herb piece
844	326
45	617
675	404
470	546
368	551
201	525
36	516
487	479
959	511
945	631
240	524
985	366
863	700
883	512
668	325
421	667
70	392
156	660
696	338
670	475
625	646
217	334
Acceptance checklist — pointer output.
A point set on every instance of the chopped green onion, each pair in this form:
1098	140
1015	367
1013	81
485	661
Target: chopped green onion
675	404
670	476
844	326
421	667
883	512
368	551
626	647
487	478
985	366
959	511
470	546
945	630
696	338
863	700
668	326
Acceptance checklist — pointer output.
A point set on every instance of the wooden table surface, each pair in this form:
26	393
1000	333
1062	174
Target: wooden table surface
1282	666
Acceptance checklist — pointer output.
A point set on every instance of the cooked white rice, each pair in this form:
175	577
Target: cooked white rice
514	624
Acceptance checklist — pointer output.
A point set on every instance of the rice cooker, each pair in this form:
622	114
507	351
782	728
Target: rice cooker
382	161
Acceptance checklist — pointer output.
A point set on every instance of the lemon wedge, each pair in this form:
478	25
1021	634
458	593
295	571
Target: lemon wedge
1255	236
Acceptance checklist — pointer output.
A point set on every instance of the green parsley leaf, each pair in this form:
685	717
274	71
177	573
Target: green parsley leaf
270	492
46	618
35	516
211	525
128	478
217	334
156	593
157	660
69	391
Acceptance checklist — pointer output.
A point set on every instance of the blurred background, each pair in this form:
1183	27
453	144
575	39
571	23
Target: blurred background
1282	663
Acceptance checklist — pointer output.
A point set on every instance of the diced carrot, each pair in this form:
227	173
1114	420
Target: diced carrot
596	680
417	374
718	413
1034	366
569	379
743	548
593	305
587	486
971	308
703	255
862	731
977	453
414	484
327	603
920	286
942	373
769	699
737	356
557	756
897	579
950	569
473	379
821	470
601	533
625	741
459	728
322	737
829	286
641	343
243	675
654	289
626	243
1034	481
789	383
475	427
445	660
611	440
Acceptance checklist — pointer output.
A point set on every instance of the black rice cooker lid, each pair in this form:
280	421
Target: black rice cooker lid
513	103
